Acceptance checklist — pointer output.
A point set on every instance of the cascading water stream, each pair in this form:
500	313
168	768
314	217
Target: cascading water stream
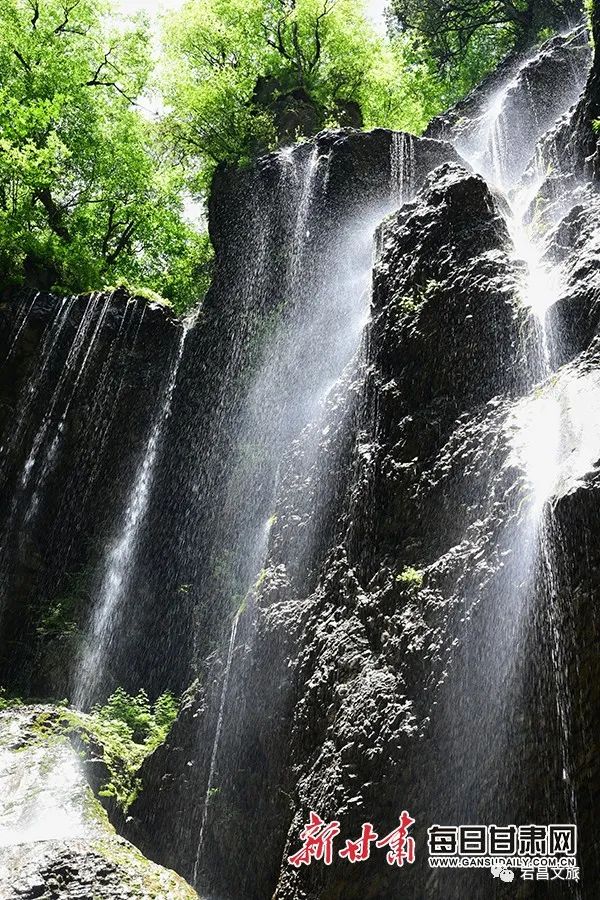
25	307
49	346
76	365
121	559
402	166
215	749
551	438
63	365
314	345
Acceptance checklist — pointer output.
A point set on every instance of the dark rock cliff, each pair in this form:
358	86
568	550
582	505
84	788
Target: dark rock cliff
101	362
78	392
240	337
399	650
352	683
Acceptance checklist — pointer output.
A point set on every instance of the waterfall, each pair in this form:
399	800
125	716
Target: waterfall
297	417
63	366
402	166
24	309
75	366
311	350
49	348
215	749
554	438
119	565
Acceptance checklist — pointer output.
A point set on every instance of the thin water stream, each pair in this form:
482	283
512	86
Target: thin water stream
314	346
118	569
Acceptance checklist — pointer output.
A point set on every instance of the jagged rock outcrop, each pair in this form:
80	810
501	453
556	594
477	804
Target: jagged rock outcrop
338	666
575	243
444	287
577	140
55	840
534	92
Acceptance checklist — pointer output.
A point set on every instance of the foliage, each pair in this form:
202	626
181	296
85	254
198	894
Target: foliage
591	14
86	195
61	616
244	76
7	701
92	187
453	31
126	729
410	577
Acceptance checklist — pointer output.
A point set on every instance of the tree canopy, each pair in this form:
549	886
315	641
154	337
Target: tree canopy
243	76
451	28
87	197
93	185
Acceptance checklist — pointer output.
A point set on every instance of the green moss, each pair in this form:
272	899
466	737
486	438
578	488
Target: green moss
125	731
213	794
139	292
407	304
7	702
544	34
142	877
93	811
410	303
410	577
60	617
261	577
151	297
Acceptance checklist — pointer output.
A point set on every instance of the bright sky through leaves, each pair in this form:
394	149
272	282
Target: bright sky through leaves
374	8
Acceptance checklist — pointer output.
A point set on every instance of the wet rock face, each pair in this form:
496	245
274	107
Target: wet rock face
270	267
542	86
445	289
341	657
577	141
530	93
55	840
78	389
577	515
370	645
575	244
381	644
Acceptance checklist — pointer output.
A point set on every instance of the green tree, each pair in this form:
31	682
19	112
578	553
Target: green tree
451	29
244	76
86	198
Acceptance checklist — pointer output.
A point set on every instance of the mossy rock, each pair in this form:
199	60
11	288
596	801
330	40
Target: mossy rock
56	841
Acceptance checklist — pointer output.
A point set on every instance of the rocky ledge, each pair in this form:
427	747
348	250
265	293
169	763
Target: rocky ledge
56	842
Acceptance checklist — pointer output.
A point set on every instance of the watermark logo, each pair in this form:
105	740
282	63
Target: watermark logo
317	839
501	872
540	852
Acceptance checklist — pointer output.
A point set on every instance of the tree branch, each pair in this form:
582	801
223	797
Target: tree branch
122	243
22	60
54	213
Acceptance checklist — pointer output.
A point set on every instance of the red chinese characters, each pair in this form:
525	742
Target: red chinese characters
317	839
358	851
402	846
